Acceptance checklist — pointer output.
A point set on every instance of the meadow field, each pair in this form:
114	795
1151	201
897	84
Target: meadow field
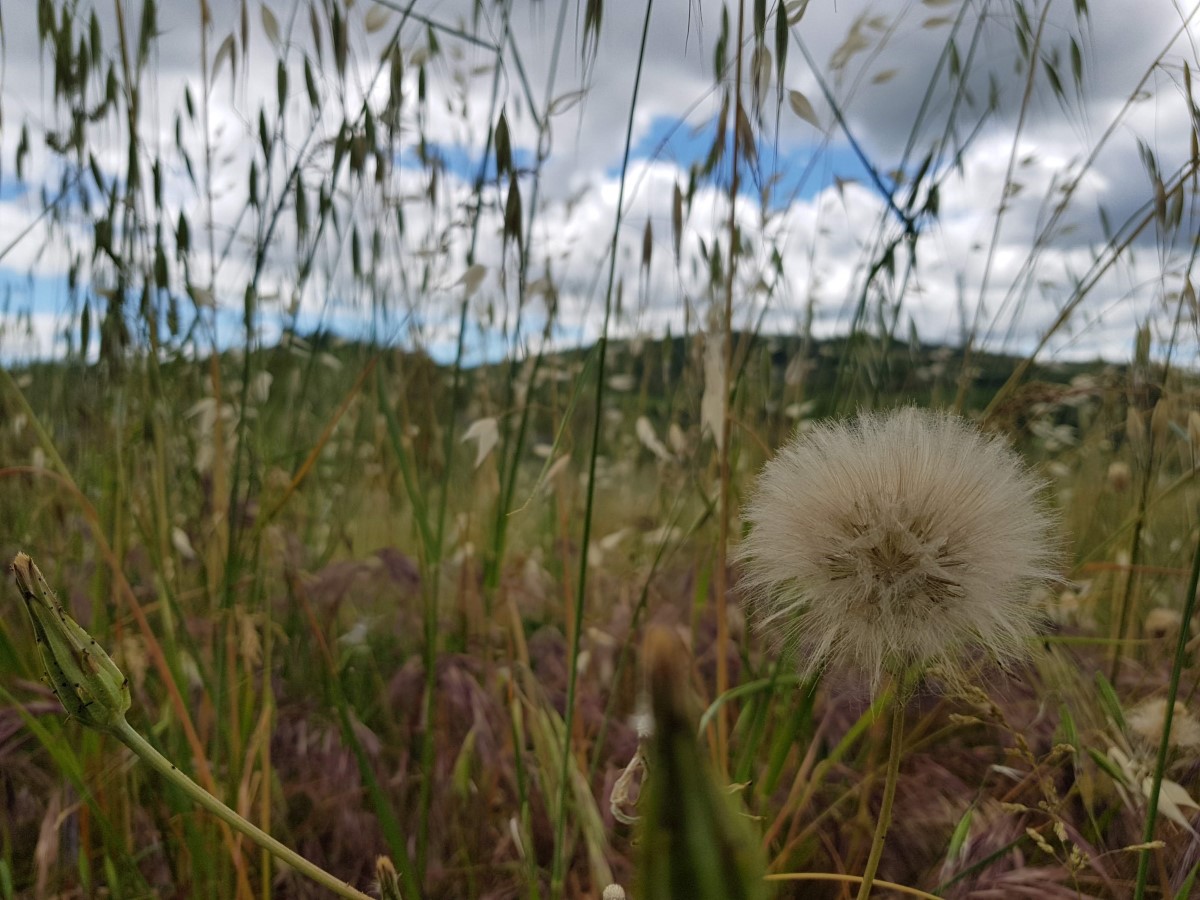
413	483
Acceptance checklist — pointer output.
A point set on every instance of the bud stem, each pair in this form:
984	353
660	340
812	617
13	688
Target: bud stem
140	746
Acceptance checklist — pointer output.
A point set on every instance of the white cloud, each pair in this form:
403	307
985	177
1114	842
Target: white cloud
828	239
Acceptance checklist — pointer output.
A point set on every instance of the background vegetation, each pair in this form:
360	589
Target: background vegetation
382	598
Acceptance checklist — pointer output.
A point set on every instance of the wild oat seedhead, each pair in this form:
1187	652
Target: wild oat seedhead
1148	719
897	540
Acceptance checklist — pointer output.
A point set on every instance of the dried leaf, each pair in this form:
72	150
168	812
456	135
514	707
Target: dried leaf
744	134
472	278
182	543
761	65
1172	799
712	404
565	102
314	23
627	789
549	478
855	43
803	108
377	17
649	439
224	52
486	435
621	382
270	24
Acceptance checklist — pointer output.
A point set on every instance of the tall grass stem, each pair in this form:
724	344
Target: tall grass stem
1164	742
575	624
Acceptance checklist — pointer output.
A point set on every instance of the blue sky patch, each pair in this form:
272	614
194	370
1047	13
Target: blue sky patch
462	161
796	172
11	189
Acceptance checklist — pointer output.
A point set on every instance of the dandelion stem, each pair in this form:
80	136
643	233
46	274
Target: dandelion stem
140	746
889	794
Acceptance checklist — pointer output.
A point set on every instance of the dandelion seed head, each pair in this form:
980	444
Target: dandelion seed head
897	540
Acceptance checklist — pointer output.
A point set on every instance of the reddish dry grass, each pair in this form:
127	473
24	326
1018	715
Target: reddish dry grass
1006	763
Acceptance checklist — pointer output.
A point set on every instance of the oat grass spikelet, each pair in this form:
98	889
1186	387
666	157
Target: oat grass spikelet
898	541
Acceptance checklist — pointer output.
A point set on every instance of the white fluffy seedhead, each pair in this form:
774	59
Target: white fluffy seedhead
897	541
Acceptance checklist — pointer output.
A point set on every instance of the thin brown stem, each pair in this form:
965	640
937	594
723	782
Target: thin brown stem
721	586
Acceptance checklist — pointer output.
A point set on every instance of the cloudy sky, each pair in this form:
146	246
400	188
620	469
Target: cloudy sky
1038	180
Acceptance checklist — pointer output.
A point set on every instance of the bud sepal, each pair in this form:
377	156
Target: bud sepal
81	673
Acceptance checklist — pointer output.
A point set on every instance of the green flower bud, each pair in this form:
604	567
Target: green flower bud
86	680
696	841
